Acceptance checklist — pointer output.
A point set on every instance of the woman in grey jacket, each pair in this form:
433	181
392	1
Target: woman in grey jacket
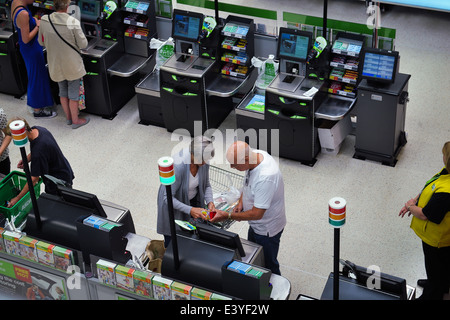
192	190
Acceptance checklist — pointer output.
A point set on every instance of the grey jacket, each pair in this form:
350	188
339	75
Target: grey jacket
180	192
63	62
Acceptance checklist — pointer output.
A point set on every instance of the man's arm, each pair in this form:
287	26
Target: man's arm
23	192
20	163
252	214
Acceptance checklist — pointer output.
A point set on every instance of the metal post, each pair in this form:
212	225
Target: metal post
336	264
173	234
31	188
376	22
337	213
216	10
325	17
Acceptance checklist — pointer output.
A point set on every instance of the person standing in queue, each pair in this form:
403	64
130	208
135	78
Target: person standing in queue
192	190
46	158
262	200
431	223
39	93
62	36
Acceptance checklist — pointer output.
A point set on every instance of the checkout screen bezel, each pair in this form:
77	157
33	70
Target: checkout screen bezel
294	34
179	15
370	53
89	8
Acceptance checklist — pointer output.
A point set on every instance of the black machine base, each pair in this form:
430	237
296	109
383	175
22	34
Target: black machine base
150	111
388	160
350	289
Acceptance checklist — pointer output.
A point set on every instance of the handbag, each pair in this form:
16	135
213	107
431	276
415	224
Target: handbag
81	98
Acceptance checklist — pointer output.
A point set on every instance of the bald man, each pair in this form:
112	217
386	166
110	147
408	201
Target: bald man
262	200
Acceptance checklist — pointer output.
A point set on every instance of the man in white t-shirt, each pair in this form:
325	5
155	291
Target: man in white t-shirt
262	200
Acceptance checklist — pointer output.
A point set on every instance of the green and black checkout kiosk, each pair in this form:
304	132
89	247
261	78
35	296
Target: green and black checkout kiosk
193	87
13	74
116	55
182	77
290	101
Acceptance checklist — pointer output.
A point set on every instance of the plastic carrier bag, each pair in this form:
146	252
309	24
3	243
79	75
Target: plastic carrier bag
267	71
164	50
232	195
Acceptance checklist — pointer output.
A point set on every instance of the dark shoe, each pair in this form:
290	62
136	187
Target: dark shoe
422	282
76	126
44	114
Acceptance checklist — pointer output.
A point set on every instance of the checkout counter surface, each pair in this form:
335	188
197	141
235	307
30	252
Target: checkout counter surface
97	47
281	287
150	85
225	86
128	65
137	244
193	66
334	108
222	85
250	107
5	34
295	89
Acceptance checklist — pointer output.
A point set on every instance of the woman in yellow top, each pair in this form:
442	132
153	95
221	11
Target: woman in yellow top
431	223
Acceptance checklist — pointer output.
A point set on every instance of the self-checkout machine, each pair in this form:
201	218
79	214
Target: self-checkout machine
335	112
183	76
382	101
234	75
13	74
292	98
223	84
148	91
137	25
114	55
250	112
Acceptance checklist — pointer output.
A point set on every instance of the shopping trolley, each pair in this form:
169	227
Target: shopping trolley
221	182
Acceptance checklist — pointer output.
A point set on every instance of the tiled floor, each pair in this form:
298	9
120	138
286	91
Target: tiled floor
117	160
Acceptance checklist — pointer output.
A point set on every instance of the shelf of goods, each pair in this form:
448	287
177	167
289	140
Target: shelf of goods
237	47
345	64
136	17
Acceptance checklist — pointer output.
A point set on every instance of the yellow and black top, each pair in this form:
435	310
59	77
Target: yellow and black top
435	203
